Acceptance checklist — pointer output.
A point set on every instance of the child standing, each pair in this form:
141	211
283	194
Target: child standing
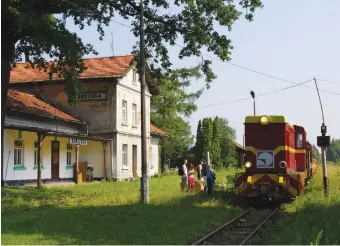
191	177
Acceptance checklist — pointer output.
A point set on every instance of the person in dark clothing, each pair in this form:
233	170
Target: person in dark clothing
211	181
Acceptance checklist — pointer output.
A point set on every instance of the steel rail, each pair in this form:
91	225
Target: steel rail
259	226
221	227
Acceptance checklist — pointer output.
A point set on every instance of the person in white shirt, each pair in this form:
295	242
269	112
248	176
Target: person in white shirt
184	177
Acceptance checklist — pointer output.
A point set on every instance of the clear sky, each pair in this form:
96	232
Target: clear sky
293	40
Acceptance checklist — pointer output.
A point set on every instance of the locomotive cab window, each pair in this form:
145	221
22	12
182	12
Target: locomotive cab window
299	140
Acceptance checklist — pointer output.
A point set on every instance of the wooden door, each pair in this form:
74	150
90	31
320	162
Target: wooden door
134	160
55	160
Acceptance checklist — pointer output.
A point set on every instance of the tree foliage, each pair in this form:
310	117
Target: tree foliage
216	146
38	27
169	105
228	151
207	132
333	151
198	148
217	137
317	155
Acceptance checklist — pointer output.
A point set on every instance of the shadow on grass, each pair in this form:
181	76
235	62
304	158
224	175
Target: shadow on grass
179	221
312	224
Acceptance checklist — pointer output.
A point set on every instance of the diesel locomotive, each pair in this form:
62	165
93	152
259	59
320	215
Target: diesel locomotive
278	159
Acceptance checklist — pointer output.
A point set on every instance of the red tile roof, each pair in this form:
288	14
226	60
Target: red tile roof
157	131
102	67
27	103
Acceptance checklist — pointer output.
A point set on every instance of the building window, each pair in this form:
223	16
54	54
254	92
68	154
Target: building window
125	155
134	75
69	155
18	153
299	140
134	114
124	112
36	153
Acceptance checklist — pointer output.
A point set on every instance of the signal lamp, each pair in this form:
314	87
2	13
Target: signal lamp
248	164
264	120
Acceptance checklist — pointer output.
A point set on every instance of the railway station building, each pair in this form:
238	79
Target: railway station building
105	124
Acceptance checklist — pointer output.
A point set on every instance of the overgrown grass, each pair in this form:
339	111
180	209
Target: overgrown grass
315	219
110	213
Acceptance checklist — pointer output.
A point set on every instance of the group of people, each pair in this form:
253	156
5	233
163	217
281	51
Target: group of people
205	176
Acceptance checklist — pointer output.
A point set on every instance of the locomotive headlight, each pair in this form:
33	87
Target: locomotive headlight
283	164
248	164
264	120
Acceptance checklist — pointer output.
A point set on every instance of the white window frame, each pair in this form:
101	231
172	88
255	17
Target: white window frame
69	156
299	142
124	112
134	114
125	156
134	76
17	150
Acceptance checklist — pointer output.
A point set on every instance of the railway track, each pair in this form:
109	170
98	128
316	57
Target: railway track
240	229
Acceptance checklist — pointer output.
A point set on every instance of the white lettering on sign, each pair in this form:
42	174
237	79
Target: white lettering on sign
90	96
80	141
265	159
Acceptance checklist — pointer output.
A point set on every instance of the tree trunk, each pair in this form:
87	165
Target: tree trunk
163	156
9	36
5	76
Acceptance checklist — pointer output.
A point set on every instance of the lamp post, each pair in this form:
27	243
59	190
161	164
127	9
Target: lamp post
252	93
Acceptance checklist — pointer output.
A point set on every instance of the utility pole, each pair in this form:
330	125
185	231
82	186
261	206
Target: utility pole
145	179
252	93
323	141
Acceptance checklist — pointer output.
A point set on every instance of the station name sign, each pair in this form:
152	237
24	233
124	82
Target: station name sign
78	141
93	96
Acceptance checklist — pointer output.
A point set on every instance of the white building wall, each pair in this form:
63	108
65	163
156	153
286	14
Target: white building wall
93	153
154	157
28	156
123	172
129	133
64	173
130	92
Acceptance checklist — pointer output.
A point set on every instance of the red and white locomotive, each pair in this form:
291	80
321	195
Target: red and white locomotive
278	159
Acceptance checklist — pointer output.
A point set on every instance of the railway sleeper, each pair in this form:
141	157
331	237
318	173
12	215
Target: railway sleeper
242	229
246	225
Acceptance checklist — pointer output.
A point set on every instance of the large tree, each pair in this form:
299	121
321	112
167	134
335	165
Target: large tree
217	137
333	151
317	155
216	145
198	148
167	108
36	29
228	151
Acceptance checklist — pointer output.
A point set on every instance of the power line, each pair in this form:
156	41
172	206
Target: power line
327	81
260	95
208	55
265	74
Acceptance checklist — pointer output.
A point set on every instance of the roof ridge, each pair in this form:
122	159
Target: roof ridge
98	57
